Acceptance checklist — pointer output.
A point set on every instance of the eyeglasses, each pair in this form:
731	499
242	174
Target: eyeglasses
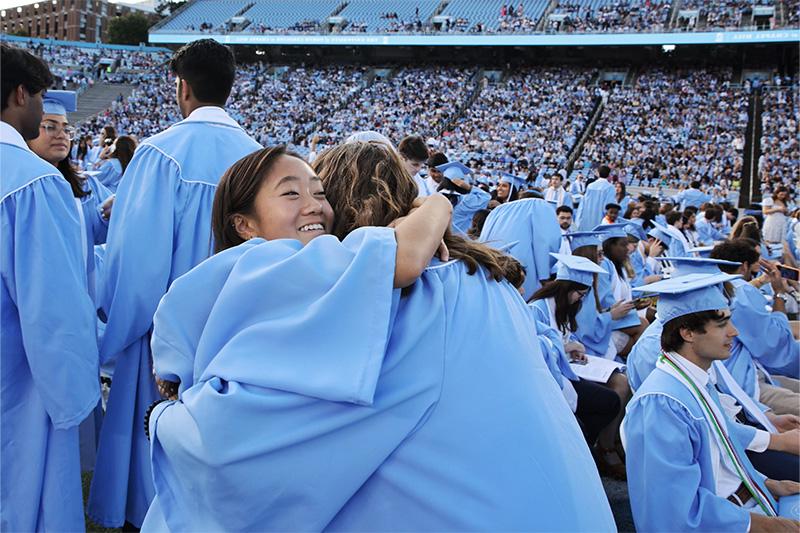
53	130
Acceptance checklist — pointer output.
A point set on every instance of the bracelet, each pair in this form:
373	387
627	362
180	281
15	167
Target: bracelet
147	417
783	296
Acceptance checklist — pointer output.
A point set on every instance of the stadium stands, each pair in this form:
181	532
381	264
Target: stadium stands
610	15
780	148
676	126
207	15
304	16
370	16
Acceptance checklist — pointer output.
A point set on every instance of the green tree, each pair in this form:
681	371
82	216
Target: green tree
168	7
128	29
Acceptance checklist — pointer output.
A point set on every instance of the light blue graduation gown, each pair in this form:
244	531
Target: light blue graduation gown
592	208
763	336
467	206
96	227
322	400
668	458
640	267
50	375
532	225
645	353
691	198
110	173
624	203
594	328
552	344
160	229
707	233
607	298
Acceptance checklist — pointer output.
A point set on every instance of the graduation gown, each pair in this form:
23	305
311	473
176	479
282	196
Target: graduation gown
607	298
532	225
691	197
110	173
332	403
49	373
590	212
467	206
764	337
160	229
668	439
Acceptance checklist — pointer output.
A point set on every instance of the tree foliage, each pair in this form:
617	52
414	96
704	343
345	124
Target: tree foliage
128	29
168	7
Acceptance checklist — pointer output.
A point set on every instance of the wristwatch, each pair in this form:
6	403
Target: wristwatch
783	296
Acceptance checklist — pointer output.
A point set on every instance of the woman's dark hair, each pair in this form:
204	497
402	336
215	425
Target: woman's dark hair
746	227
673	216
83	147
590	252
74	179
511	197
109	134
208	67
779	189
478	220
671	339
124	148
559	290
621	194
610	243
414	147
629	211
237	191
367	184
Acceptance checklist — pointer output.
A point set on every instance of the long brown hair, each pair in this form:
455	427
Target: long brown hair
590	252
74	179
124	147
236	193
367	185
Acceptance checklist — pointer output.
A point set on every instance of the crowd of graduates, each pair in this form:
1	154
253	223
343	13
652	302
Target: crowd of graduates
376	336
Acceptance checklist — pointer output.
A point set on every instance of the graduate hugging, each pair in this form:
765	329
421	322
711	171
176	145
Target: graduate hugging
334	371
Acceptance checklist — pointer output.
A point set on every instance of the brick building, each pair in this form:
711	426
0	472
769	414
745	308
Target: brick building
71	20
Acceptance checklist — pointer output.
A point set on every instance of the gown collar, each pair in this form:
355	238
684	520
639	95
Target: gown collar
211	114
9	135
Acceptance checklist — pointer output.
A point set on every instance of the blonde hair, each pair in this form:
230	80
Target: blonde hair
367	184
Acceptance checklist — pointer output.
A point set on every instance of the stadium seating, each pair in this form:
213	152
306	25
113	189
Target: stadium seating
213	13
279	15
372	16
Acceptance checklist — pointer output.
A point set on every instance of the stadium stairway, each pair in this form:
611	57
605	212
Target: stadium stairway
99	98
541	25
750	184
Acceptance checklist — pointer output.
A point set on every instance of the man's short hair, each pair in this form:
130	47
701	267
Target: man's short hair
208	67
20	67
689	210
413	147
563	209
673	216
613	206
436	159
695	184
739	250
604	171
671	339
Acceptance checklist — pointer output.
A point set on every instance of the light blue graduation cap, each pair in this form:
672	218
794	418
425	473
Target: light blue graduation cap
577	239
455	171
59	102
682	266
660	232
688	294
576	268
634	228
609	231
515	181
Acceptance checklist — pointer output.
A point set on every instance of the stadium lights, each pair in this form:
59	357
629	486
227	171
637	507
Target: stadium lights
667	48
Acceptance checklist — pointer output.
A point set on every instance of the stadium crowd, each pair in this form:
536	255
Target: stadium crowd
421	312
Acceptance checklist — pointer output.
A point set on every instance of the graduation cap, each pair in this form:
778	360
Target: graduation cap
660	232
515	181
578	239
455	171
576	268
688	294
634	228
695	265
59	102
609	231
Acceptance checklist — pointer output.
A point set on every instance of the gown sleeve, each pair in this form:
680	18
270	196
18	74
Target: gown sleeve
57	319
777	350
141	227
662	443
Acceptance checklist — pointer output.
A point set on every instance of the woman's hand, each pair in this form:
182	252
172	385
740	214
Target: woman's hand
620	309
105	209
782	488
420	236
784	423
656	248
